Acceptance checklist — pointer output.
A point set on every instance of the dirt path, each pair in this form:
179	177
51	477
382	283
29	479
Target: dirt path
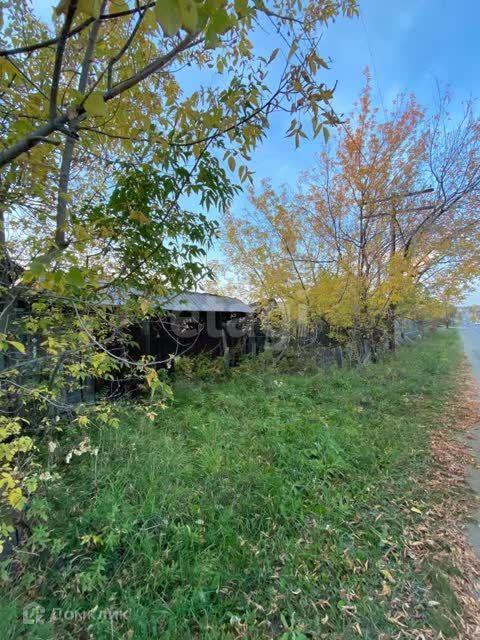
471	342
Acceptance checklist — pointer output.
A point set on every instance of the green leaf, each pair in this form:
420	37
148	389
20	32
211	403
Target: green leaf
37	267
326	134
273	55
241	7
221	22
293	50
211	38
231	163
189	15
95	105
75	277
18	345
167	13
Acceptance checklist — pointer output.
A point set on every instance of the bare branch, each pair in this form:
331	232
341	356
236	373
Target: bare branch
186	43
57	68
67	156
122	51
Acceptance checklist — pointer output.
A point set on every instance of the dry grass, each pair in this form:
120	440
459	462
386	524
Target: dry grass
441	538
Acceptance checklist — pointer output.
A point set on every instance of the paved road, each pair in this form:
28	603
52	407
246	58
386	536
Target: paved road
471	343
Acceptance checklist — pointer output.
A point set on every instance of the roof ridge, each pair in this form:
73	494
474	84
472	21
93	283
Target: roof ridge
207	293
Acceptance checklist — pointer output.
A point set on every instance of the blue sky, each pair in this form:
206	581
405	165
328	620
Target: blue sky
409	45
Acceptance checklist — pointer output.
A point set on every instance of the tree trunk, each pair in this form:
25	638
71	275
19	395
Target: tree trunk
68	151
391	327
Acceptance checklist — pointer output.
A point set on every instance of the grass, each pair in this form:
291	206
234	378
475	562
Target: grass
269	505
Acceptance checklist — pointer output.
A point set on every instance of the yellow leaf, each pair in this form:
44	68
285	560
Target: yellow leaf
81	233
386	574
61	7
151	377
90	7
7	480
140	217
144	305
16	499
18	345
95	105
415	510
90	539
231	163
119	5
7	68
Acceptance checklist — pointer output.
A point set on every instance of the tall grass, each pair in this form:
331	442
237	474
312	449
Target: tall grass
269	505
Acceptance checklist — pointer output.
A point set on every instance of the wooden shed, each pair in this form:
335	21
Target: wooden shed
193	323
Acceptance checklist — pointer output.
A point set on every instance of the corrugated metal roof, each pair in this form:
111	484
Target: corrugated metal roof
185	301
194	301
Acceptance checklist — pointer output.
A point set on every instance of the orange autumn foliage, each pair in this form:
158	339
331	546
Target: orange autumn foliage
361	240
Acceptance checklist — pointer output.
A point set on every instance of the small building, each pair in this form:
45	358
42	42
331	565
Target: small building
184	324
193	323
187	324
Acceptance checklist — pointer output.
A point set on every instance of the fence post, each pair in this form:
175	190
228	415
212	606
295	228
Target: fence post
339	356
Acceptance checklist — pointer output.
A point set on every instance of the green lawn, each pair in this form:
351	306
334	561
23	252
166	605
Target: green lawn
268	505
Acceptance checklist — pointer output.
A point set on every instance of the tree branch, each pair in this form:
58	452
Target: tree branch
187	43
86	23
57	69
32	139
126	45
67	156
35	137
